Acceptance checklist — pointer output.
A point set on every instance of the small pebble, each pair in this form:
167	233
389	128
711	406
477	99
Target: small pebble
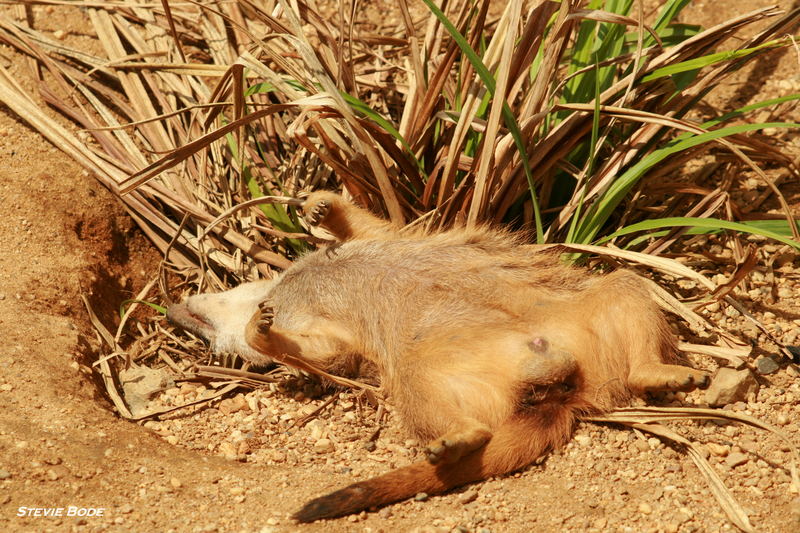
468	497
323	446
583	440
735	459
232	405
421	497
720	450
227	450
766	366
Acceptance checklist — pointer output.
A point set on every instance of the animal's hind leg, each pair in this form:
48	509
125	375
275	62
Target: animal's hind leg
468	436
654	377
344	220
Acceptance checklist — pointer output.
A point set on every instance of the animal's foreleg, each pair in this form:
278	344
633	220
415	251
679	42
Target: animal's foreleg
263	337
312	352
343	219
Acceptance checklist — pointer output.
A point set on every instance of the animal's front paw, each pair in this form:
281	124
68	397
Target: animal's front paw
316	213
266	315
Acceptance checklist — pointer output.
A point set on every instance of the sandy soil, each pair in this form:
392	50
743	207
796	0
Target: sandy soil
242	466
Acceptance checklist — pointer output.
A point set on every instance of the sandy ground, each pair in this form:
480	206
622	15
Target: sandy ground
243	466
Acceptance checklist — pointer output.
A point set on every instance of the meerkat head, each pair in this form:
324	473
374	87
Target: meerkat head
221	318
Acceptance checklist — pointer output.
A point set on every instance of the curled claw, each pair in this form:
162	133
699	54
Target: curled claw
318	212
266	316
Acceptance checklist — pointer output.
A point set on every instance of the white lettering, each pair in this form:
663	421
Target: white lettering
50	512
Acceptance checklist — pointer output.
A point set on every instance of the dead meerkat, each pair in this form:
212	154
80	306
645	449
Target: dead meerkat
488	350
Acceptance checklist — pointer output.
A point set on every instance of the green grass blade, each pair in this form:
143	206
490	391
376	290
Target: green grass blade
620	187
573	225
667	14
709	225
277	214
123	306
259	88
698	63
746	109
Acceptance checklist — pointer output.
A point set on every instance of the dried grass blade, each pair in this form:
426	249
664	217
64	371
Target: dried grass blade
188	150
663	264
743	269
235	373
732	354
614	18
171	22
139	297
105	368
483	179
104	25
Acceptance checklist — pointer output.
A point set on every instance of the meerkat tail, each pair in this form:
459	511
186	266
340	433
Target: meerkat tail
514	445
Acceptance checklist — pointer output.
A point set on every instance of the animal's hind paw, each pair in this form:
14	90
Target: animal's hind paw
692	379
266	315
318	212
455	445
663	377
435	451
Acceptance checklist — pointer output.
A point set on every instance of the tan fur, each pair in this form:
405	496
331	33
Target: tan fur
488	350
